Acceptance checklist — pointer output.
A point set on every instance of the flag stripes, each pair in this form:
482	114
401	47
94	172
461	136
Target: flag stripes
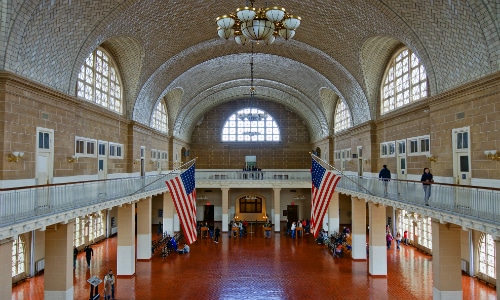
323	187
183	191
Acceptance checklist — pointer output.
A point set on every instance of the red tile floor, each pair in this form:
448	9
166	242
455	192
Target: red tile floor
257	268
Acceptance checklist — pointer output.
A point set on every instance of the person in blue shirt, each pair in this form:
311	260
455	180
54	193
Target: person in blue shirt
385	176
427	179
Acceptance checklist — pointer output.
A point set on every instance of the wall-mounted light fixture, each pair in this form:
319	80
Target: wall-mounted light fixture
72	159
492	154
431	158
151	162
202	197
351	162
15	156
137	161
367	161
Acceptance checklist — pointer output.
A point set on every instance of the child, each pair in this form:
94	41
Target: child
217	233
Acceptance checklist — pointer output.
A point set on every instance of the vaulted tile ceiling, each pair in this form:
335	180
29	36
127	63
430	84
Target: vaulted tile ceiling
170	50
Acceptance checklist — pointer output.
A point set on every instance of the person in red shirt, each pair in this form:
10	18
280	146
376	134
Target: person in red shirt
405	237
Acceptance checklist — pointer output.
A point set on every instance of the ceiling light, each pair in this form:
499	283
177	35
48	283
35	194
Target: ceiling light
257	24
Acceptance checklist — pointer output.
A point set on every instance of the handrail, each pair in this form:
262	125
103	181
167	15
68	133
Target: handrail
18	205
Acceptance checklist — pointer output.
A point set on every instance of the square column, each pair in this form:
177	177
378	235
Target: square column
125	262
358	208
378	248
333	214
446	260
6	268
58	273
168	213
144	222
225	209
277	209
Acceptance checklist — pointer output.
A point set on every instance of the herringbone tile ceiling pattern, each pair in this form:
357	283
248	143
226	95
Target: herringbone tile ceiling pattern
170	50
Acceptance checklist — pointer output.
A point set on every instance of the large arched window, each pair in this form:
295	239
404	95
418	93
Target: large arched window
342	116
159	120
99	81
250	125
18	256
405	81
487	256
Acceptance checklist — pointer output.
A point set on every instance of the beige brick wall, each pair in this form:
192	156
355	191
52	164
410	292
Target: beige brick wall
291	153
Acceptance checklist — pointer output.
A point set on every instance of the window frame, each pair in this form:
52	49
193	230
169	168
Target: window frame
88	81
85	143
389	147
405	84
343	117
237	129
118	147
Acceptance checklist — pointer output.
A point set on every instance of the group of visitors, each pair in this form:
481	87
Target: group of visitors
389	238
238	228
291	227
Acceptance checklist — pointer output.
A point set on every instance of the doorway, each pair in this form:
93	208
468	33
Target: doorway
292	212
102	160
461	156
208	213
44	156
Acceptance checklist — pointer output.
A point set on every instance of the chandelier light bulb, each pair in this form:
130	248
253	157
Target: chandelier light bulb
257	24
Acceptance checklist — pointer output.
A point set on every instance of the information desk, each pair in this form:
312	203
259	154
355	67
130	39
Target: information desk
204	232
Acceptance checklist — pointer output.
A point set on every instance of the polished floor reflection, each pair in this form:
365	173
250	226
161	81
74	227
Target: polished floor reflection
257	268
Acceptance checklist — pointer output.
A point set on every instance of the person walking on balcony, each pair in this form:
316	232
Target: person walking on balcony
385	176
427	179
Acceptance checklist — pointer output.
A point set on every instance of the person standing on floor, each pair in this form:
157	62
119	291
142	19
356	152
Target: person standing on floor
160	228
385	176
427	179
398	239
405	236
109	286
217	234
388	239
89	252
75	254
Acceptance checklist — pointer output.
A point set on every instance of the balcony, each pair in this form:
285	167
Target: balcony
30	208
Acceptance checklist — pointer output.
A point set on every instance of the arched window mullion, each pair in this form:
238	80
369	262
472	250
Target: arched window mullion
404	82
250	125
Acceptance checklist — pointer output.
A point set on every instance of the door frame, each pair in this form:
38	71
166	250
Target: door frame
458	175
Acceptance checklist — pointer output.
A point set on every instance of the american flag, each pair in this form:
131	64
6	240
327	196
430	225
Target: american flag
323	186
183	191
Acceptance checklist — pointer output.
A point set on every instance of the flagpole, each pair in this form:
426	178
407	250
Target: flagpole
165	175
341	172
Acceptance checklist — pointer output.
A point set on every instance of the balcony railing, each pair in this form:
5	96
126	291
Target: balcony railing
28	203
474	202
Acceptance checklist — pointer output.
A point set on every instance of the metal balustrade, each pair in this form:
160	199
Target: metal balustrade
36	202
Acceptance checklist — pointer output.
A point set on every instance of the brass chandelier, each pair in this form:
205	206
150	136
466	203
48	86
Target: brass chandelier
257	24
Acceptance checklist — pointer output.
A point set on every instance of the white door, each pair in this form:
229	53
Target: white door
44	156
102	160
401	161
461	156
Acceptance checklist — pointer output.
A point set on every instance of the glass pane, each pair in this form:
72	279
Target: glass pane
403	163
464	163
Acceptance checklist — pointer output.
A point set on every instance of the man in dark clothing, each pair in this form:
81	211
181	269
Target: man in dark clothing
88	254
385	176
75	254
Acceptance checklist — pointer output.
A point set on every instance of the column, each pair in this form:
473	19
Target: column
144	222
168	213
225	209
446	256
378	249
497	257
277	209
6	266
333	214
58	273
358	209
126	240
